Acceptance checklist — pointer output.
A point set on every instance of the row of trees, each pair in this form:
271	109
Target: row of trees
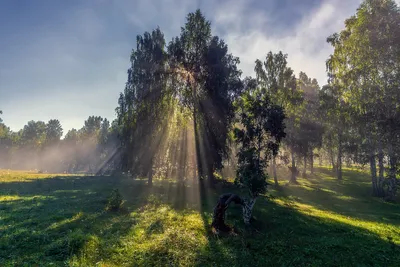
38	145
187	113
195	78
351	119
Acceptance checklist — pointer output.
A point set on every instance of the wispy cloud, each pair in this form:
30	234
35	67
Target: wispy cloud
70	61
305	43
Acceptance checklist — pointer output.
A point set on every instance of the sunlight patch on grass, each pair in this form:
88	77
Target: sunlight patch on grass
160	236
10	198
384	231
343	197
328	191
308	188
55	225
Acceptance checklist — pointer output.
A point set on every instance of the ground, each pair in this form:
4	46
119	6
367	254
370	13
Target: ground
59	220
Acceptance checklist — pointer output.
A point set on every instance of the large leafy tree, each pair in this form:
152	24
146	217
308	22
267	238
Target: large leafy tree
207	81
54	131
5	145
143	106
279	82
70	146
310	128
365	66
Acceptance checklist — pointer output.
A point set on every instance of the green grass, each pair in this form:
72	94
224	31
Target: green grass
59	220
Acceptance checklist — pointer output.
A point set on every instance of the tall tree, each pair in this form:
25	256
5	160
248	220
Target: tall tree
207	81
365	65
5	145
54	131
310	130
143	106
279	81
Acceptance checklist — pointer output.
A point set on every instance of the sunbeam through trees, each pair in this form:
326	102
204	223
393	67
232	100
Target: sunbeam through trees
192	135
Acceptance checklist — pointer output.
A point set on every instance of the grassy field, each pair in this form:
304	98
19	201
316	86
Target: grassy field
59	220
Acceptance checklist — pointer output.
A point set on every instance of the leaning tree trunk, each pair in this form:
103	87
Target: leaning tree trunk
218	222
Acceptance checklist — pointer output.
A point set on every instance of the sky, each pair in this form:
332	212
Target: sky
68	60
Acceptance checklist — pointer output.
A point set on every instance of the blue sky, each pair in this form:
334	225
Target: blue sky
68	59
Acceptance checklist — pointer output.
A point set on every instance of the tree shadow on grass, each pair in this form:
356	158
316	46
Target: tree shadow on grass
348	197
51	220
58	220
281	236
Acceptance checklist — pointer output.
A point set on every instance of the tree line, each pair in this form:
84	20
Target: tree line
38	145
187	113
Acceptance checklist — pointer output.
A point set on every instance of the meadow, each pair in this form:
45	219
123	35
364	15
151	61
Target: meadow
60	220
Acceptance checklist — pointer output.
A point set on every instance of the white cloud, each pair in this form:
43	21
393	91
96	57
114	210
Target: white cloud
305	45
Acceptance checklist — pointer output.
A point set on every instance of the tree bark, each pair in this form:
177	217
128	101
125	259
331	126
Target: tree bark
274	170
312	162
218	222
332	158
305	166
339	158
320	158
150	171
391	180
200	171
372	163
381	178
293	179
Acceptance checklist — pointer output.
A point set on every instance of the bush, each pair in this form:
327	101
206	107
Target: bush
114	201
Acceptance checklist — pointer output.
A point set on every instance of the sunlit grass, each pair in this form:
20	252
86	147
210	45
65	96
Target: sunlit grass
383	230
57	220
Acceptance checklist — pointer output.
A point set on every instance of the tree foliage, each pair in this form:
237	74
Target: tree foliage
259	136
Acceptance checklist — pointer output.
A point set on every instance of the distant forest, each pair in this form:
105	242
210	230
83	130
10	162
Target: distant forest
186	112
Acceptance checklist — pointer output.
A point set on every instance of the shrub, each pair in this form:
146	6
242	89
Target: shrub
114	202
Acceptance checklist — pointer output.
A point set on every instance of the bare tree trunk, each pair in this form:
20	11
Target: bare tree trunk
339	159
332	158
381	171
293	169
150	172
391	180
197	145
320	158
305	166
312	162
274	170
372	164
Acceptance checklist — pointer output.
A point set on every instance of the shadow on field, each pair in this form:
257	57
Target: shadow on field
49	220
59	219
349	197
281	236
